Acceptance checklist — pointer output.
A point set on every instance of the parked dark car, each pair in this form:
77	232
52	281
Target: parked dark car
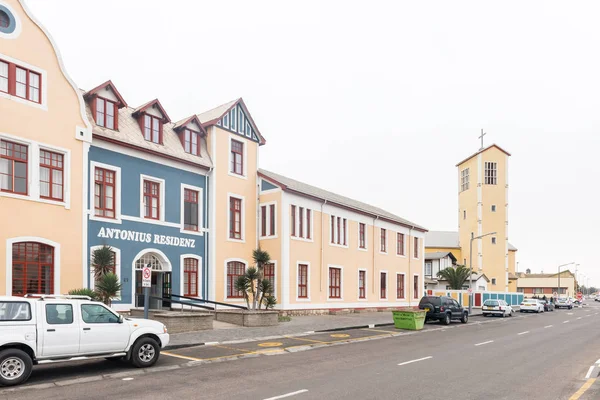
548	306
443	309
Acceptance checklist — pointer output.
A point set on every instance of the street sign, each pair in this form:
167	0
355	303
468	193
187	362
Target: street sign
146	277
579	295
470	290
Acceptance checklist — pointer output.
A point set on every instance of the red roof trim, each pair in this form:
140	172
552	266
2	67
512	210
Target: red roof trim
122	103
481	151
194	118
144	150
239	101
152	103
284	187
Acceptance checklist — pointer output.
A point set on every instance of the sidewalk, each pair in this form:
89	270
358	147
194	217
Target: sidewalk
224	332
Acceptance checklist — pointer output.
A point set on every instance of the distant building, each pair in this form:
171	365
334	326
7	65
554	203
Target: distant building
547	284
483	208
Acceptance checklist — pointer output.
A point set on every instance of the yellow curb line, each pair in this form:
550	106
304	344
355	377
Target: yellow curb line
582	389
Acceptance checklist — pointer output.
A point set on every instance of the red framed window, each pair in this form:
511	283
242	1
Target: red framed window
269	273
308	222
237	157
13	167
362	284
400	244
416	287
263	220
416	247
235	218
383	285
272	220
151	199
293	222
344	232
104	193
362	239
190	277
105	113
191	142
152	129
301	219
332	229
335	283
4	77
400	286
302	281
383	241
21	82
32	268
51	175
190	210
234	269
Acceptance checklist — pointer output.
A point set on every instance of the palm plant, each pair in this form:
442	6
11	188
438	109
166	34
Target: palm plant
242	284
84	292
103	261
261	258
107	287
455	276
253	284
269	302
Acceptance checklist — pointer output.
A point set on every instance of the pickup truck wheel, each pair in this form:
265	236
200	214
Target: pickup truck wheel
15	367
145	352
465	318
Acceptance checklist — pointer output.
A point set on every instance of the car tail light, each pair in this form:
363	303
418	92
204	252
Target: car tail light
441	309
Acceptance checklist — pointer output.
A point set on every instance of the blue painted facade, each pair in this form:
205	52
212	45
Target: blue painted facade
136	236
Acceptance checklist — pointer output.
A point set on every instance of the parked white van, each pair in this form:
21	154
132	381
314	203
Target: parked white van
39	329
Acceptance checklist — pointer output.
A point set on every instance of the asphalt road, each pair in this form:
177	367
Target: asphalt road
530	356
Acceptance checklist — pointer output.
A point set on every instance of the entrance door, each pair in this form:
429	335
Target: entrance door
156	290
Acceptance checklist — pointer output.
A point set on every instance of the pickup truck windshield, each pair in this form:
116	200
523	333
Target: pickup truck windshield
14	311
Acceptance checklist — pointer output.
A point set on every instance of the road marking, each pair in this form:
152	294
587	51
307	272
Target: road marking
578	317
564	322
270	344
589	373
489	341
582	389
288	394
377	330
308	340
569	313
548	326
127	379
522	333
598	362
178	356
418	359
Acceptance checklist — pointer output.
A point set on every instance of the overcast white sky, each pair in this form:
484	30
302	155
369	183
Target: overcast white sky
378	100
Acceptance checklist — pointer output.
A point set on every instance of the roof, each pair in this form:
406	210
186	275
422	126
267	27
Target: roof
482	150
211	117
439	255
182	122
475	276
152	103
554	275
293	185
130	135
430	281
122	102
448	240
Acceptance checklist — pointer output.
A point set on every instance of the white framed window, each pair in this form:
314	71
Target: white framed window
428	268
338	229
493	208
152	198
400	244
302	281
362	236
400	286
226	120
301	223
268	220
234	267
335	283
493	281
383	240
464	179
233	119
362	284
105	197
192	210
383	285
236	218
491	173
241	121
238	157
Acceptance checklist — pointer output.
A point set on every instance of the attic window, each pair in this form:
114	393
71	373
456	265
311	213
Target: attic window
152	129
191	142
105	113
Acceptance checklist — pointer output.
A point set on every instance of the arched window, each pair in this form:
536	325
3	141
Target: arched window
149	258
190	277
234	269
33	268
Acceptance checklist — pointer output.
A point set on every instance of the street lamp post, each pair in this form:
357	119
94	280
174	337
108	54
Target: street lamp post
471	267
559	267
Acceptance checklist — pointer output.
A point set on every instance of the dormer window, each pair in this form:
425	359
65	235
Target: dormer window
105	113
152	129
191	142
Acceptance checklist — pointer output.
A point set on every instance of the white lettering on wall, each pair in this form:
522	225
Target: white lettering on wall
134	236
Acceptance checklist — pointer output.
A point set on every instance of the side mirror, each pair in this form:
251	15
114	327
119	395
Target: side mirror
121	319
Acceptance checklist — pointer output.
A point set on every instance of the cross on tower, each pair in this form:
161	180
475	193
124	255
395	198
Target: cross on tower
481	137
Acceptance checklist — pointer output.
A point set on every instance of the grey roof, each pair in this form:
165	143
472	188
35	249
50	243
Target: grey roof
296	186
448	239
130	133
216	112
438	255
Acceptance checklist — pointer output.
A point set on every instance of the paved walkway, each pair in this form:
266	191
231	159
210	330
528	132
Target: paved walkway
223	332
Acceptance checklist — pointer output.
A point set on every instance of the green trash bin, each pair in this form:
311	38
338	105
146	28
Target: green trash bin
409	319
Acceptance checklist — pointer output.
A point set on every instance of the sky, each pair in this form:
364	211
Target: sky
378	100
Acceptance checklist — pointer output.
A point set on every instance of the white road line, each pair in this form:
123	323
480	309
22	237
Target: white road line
417	360
565	321
548	326
578	317
489	341
288	394
569	313
589	373
598	362
522	333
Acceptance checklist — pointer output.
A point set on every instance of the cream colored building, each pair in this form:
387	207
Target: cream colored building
547	284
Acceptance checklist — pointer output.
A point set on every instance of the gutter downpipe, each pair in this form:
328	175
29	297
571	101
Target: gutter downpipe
373	245
322	245
410	239
208	236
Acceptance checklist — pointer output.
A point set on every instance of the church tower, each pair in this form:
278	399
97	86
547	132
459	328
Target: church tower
483	209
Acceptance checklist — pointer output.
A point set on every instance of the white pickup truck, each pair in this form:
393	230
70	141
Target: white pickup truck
39	329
